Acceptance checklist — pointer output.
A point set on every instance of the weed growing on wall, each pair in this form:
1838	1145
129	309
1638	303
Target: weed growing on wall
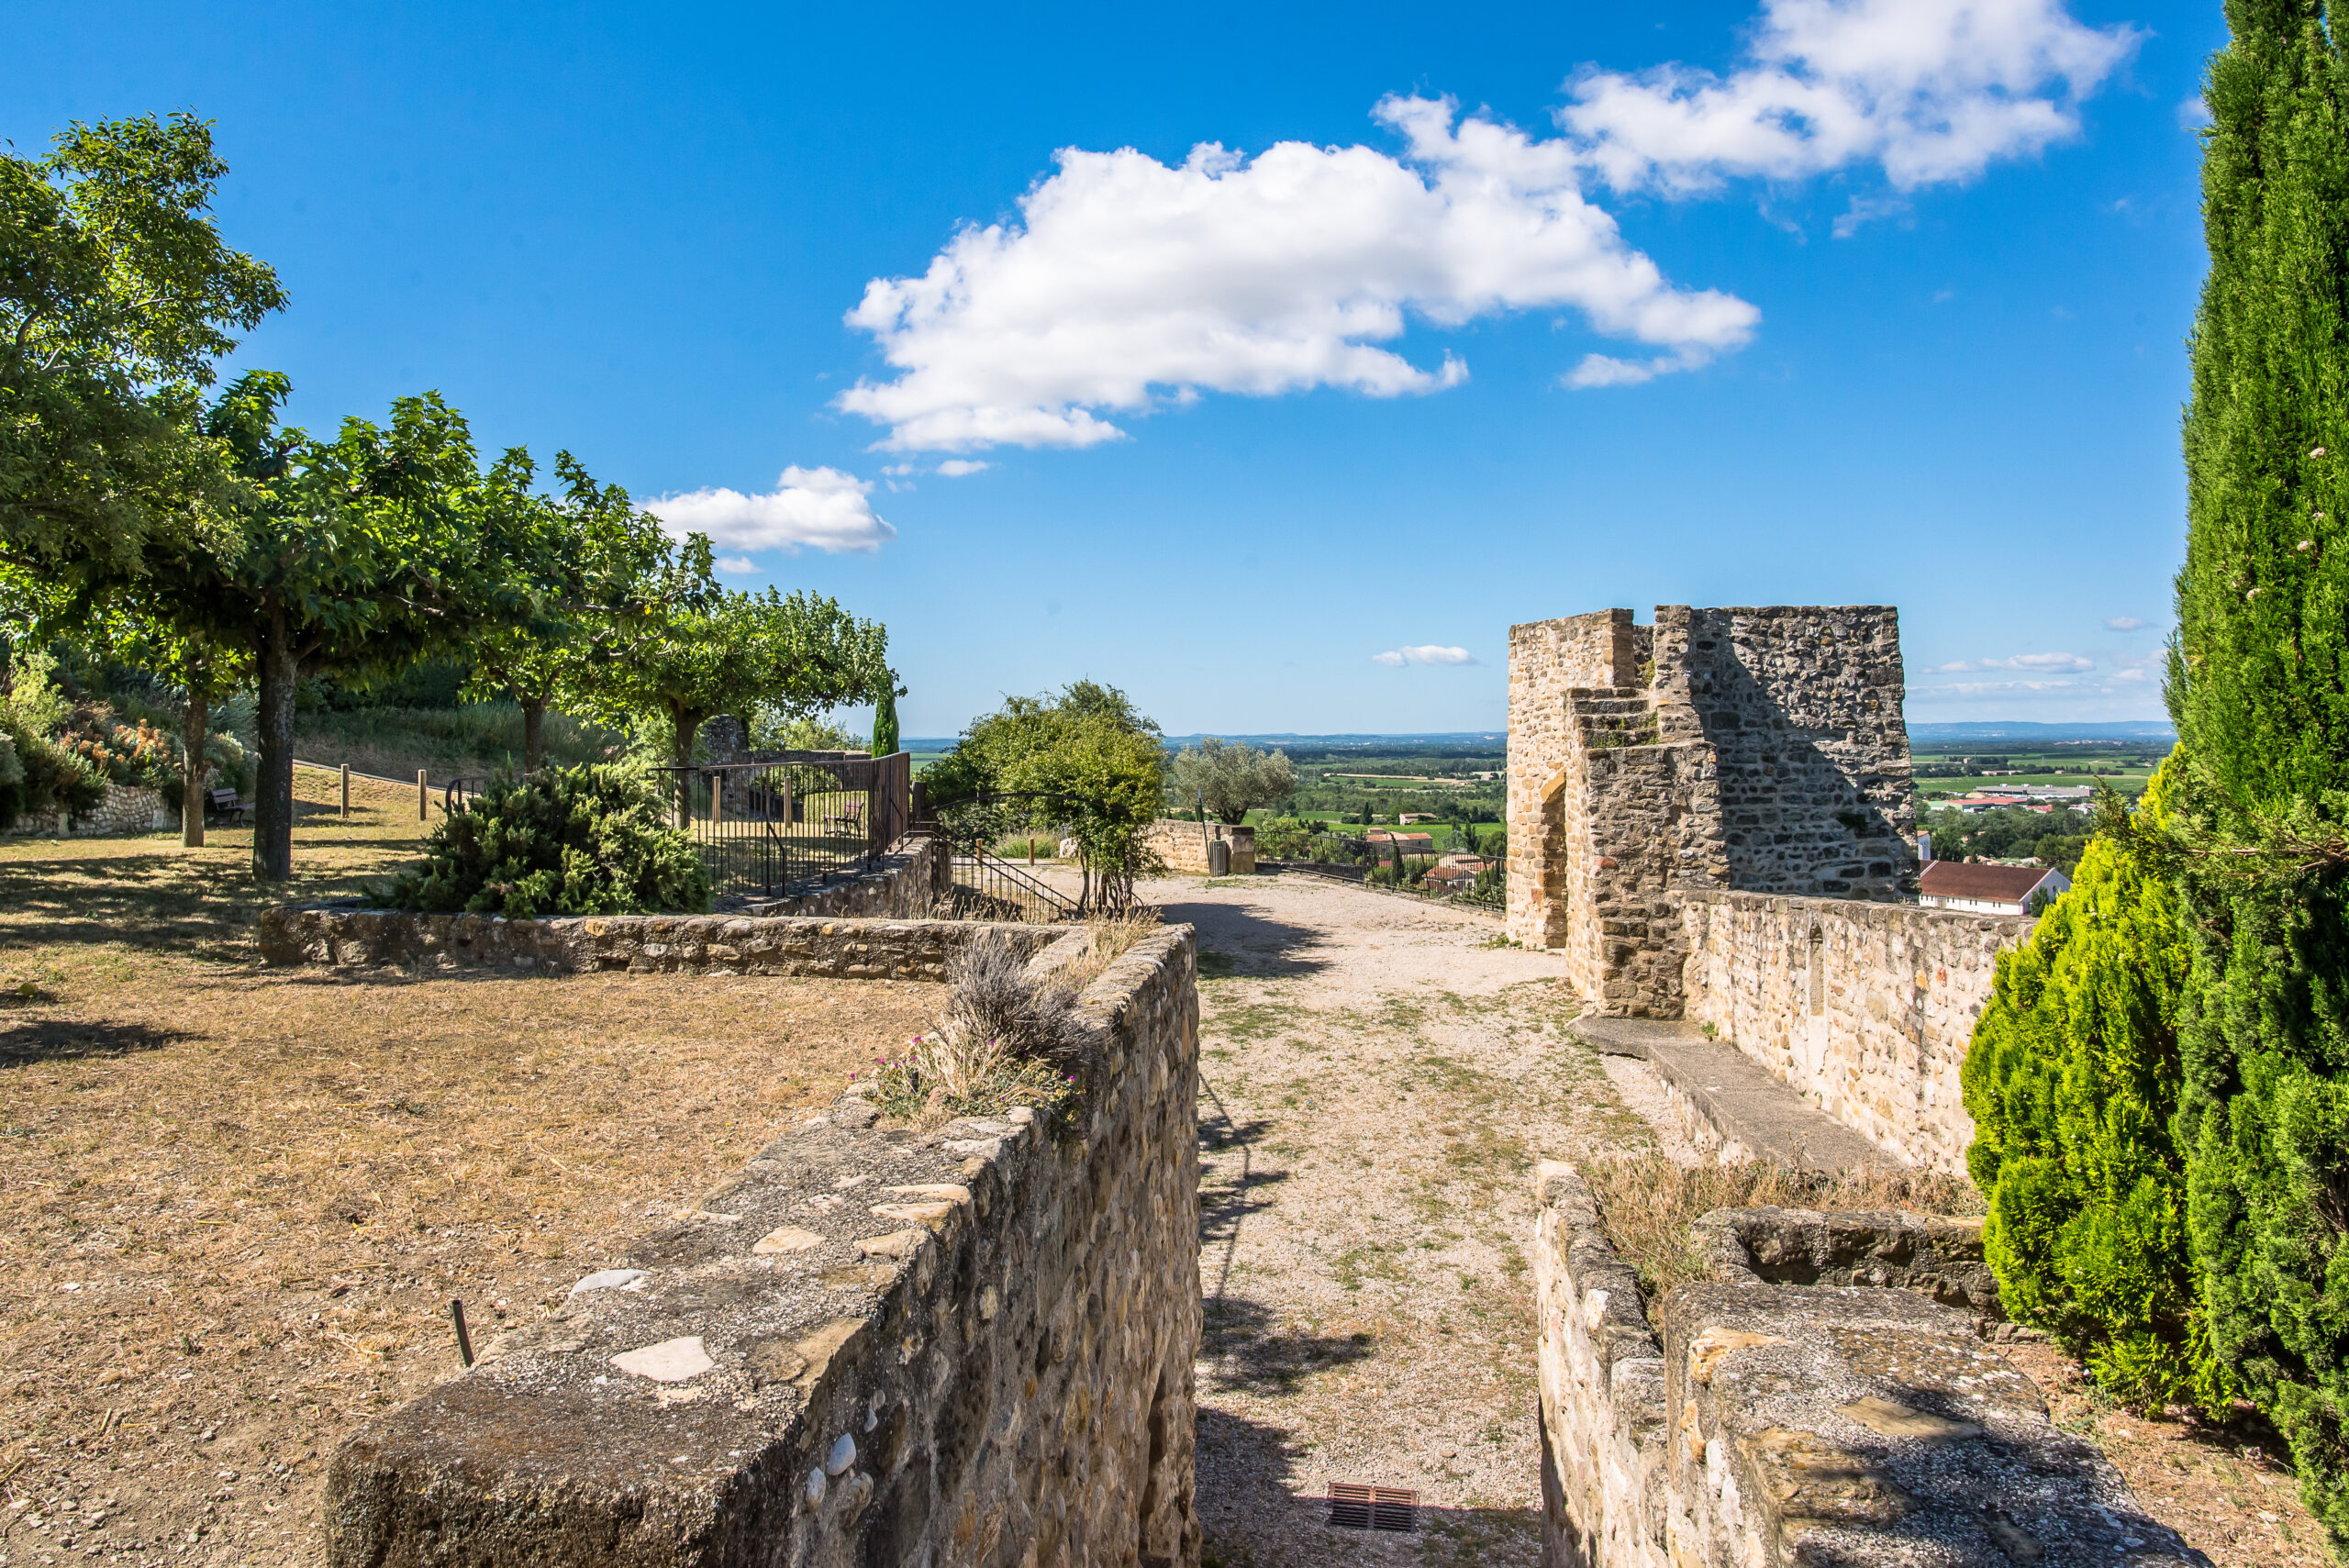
2073	1084
587	840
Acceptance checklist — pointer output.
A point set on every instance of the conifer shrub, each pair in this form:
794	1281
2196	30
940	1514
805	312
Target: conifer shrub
583	841
2073	1084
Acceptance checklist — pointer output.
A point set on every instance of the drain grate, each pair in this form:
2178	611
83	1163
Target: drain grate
1353	1506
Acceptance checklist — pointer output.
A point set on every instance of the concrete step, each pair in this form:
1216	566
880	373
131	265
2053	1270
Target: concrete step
1726	1093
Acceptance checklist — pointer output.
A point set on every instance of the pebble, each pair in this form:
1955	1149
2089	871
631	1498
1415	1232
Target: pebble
790	1238
843	1454
815	1488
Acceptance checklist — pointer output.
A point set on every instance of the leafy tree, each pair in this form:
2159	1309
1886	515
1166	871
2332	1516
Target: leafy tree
802	734
1232	778
608	556
884	724
1098	766
116	297
700	650
2259	689
2073	1084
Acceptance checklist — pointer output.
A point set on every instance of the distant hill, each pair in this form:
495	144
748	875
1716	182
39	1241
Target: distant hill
2020	729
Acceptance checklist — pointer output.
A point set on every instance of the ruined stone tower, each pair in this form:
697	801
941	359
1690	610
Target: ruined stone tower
1756	750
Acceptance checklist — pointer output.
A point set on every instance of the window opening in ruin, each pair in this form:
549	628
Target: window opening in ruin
1355	1506
1818	972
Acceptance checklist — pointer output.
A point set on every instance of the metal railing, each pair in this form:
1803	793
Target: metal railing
793	820
988	888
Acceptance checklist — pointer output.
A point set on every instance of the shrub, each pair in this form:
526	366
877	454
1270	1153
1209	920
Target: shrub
585	840
52	778
2073	1084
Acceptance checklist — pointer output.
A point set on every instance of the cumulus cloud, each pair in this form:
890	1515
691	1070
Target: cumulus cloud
742	565
2044	662
1424	654
955	467
1126	283
1930	91
2125	623
822	507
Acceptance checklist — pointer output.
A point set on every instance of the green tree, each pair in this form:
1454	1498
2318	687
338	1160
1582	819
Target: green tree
1094	762
116	297
608	556
698	651
1232	778
884	723
2259	689
2073	1084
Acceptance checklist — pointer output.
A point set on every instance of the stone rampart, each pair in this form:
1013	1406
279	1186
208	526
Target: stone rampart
1864	1009
128	808
968	1346
1185	850
1752	1424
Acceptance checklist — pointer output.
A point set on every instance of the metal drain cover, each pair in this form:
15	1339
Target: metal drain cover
1353	1506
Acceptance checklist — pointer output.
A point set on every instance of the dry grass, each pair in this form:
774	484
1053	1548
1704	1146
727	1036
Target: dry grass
243	1198
1648	1203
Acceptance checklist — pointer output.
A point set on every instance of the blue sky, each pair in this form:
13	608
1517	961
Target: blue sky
1908	282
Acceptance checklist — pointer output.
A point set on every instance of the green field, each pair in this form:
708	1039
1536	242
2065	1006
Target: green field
1954	768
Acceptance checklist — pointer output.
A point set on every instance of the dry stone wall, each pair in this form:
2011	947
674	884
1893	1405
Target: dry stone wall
1749	1423
971	1346
128	808
1864	1009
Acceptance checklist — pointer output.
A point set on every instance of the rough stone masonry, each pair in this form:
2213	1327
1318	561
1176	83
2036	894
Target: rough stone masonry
970	1346
1758	750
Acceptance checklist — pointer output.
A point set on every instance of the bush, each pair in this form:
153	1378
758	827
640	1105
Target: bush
50	777
1284	838
2073	1084
585	840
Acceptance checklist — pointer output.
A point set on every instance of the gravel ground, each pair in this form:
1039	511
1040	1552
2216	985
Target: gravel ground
1380	1075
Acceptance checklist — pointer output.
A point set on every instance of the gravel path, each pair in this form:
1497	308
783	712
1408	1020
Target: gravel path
1380	1075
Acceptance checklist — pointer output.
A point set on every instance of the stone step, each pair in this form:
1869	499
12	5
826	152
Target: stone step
1595	705
1734	1099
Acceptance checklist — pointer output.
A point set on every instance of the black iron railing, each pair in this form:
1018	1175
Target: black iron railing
769	827
987	888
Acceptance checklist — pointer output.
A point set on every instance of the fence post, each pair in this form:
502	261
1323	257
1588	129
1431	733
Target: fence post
422	814
346	789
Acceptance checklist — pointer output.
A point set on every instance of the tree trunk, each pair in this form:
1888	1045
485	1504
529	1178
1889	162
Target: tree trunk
534	724
684	725
274	789
199	713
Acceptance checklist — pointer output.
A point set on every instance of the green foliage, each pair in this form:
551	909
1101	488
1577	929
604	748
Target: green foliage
884	723
117	296
587	840
777	733
2073	1084
2259	689
2056	838
1230	779
1099	762
1284	838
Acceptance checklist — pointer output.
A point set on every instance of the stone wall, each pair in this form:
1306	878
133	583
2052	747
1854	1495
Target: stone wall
353	938
1179	844
128	808
878	1347
1864	1009
1751	1423
1754	748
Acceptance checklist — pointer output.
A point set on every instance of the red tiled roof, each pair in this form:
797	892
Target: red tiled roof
1969	879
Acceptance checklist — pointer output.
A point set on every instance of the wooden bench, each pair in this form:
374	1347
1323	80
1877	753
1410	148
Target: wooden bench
224	803
849	821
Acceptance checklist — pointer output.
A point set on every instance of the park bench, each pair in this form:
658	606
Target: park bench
224	803
849	822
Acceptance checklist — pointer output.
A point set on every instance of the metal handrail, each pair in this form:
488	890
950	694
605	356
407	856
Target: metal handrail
996	881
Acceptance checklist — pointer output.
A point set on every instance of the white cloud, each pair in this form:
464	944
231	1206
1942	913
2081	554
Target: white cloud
1931	91
2044	662
955	467
739	565
2193	113
819	507
2125	623
1125	281
1975	691
1425	653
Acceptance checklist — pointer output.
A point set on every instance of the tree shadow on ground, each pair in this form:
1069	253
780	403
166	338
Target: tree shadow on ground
40	1042
1238	1339
1258	1511
166	900
1247	943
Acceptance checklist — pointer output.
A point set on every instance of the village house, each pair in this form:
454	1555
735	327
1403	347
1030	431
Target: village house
1981	888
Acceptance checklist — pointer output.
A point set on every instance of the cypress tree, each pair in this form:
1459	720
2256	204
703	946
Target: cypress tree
885	722
2259	687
